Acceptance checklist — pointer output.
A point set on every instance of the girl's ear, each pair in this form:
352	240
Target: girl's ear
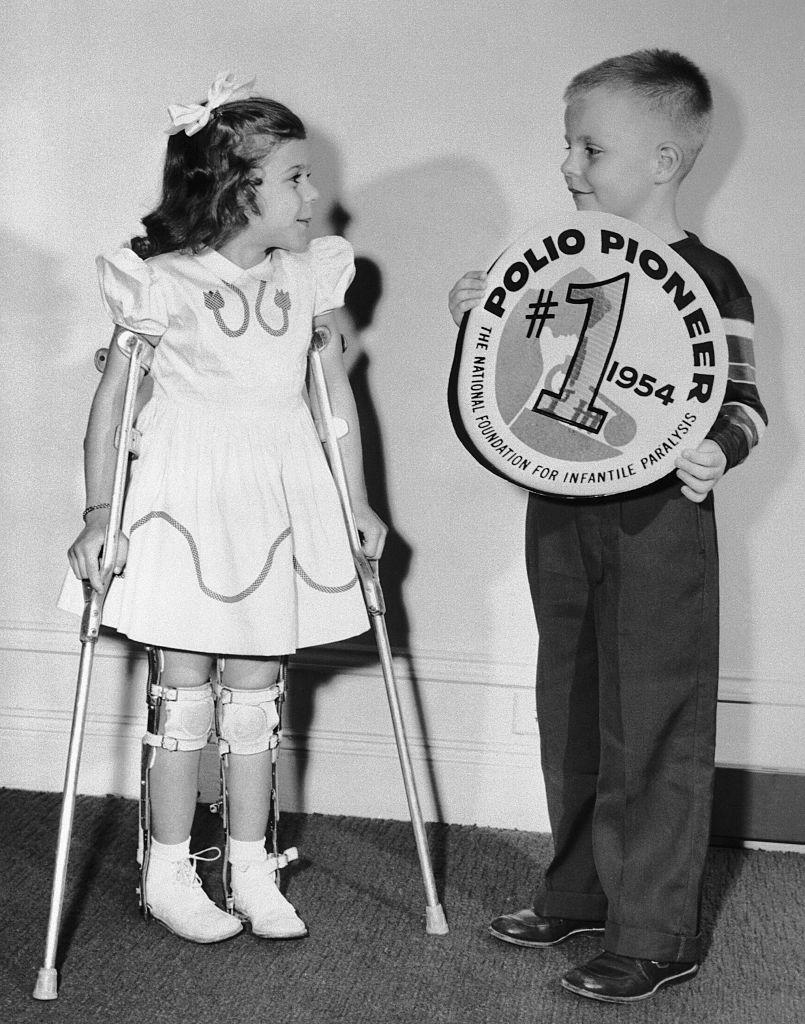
669	159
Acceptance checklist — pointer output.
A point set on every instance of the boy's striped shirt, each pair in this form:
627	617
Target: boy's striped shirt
742	417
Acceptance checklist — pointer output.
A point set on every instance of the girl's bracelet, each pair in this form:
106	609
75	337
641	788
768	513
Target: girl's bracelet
94	508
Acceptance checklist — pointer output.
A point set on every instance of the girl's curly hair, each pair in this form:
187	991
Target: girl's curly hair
209	181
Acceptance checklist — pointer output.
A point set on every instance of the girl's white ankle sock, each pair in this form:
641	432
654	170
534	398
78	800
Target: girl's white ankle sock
242	852
170	851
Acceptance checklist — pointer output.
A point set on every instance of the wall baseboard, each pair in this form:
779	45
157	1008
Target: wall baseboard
325	772
425	665
470	723
758	806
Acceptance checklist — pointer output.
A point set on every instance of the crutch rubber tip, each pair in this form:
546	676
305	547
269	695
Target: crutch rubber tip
47	984
435	921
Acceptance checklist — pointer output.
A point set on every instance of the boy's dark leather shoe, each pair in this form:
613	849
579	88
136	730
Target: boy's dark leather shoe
622	979
527	928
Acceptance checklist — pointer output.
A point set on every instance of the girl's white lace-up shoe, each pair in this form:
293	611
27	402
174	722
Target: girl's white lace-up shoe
258	900
176	899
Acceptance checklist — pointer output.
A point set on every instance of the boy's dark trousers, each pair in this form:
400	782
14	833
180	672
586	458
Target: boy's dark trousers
625	592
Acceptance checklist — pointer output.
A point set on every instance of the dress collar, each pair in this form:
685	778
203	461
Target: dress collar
222	267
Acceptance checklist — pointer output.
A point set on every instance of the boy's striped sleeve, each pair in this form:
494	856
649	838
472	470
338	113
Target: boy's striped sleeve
742	417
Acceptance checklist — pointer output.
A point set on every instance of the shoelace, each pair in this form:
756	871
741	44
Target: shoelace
186	869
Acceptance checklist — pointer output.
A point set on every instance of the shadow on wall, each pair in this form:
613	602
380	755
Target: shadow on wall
744	498
749	493
720	153
427	225
406	229
363	296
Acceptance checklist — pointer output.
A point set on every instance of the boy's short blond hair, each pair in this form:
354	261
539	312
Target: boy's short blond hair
668	83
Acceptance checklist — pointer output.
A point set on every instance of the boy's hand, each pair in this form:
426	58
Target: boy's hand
700	470
466	293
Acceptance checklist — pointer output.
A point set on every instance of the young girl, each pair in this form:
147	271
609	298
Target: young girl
233	538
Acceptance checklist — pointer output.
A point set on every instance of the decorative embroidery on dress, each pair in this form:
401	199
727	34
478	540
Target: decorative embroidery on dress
215	301
282	300
320	586
261	576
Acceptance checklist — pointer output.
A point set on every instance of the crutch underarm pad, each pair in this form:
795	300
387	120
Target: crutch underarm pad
126	340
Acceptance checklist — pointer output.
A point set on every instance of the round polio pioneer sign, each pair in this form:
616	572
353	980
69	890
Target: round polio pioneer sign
596	356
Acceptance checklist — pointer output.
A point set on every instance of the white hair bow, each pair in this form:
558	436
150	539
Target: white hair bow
191	117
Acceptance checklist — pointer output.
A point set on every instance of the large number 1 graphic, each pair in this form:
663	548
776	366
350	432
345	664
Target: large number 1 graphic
574	402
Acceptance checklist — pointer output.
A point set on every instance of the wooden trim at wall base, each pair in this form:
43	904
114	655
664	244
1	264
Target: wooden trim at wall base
759	806
324	772
427	666
335	773
470	722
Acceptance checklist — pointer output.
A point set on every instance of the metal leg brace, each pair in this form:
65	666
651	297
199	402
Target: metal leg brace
226	698
139	352
435	921
179	719
155	667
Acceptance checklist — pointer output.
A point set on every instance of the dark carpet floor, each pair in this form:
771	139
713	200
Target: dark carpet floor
368	958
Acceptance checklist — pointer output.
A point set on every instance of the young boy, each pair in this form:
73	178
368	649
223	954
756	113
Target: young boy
625	590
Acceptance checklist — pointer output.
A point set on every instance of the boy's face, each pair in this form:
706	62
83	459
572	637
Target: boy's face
612	148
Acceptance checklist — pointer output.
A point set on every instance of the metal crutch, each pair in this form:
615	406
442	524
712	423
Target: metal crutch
435	921
137	348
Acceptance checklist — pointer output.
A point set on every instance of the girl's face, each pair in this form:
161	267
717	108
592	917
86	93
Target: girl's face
285	198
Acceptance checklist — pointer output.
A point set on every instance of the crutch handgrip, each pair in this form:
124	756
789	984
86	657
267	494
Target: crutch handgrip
93	610
372	591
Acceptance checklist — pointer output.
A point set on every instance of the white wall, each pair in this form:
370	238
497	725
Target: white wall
438	127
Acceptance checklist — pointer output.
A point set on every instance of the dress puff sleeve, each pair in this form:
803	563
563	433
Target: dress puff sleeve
132	294
334	268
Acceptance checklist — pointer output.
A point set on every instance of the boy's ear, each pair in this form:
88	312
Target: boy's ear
669	159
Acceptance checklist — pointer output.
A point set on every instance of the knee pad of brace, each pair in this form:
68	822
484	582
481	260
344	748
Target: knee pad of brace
182	716
247	720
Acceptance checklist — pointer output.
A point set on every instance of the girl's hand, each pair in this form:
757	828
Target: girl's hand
86	552
700	470
371	528
466	294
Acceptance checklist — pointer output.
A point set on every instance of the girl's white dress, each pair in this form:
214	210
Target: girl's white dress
236	538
